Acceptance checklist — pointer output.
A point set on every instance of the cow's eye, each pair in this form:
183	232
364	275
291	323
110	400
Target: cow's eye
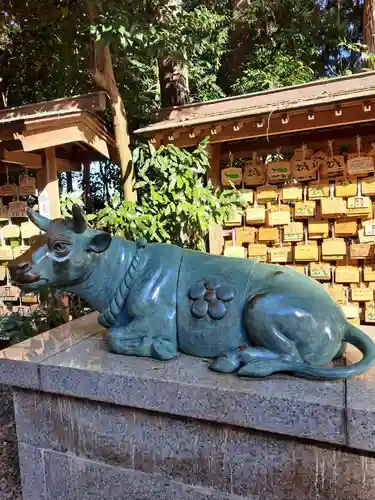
61	249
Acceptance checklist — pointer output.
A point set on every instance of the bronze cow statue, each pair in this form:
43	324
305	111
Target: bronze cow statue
157	299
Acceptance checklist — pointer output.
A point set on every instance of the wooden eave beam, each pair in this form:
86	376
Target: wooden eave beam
277	124
314	140
64	165
68	129
12	145
94	103
82	156
79	152
36	161
31	160
315	92
9	132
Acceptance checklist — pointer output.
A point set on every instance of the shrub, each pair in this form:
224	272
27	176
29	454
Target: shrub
176	203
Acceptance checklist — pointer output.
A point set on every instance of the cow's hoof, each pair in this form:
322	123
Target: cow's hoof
227	363
163	349
129	345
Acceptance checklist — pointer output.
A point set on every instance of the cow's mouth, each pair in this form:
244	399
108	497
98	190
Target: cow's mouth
31	286
28	278
22	273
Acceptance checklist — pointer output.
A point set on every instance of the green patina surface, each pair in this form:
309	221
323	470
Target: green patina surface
158	299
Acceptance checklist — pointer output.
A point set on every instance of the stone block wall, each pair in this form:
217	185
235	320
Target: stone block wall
73	449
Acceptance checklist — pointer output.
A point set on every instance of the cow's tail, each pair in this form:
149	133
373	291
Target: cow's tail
358	339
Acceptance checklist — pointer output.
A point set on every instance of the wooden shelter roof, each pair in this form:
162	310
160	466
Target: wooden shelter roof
73	125
320	104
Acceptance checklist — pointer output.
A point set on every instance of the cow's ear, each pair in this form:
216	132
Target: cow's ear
100	242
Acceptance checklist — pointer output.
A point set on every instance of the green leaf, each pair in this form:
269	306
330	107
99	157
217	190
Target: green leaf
64	11
136	152
140	184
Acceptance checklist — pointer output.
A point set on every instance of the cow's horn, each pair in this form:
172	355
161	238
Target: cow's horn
79	221
39	220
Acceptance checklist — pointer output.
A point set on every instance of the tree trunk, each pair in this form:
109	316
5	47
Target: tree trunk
104	77
173	81
173	76
240	40
104	178
69	182
369	30
4	78
87	188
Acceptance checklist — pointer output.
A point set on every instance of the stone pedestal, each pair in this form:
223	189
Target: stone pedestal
93	425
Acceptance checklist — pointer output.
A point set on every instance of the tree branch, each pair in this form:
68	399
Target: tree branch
104	77
99	79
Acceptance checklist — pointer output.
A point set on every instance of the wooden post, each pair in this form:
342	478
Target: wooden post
215	233
48	186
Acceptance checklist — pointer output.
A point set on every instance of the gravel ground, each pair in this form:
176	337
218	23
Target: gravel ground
10	487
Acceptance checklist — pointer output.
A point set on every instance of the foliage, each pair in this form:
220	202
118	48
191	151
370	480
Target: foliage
49	314
155	30
67	200
296	41
51	44
367	57
282	71
176	203
52	49
105	181
276	44
47	45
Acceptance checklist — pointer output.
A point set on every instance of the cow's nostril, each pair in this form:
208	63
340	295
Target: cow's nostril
24	266
22	272
19	267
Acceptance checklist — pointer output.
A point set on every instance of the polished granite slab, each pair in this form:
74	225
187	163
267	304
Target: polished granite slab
73	360
19	363
361	403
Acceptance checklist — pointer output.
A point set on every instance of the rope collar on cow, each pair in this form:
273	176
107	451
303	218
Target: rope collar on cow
108	317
